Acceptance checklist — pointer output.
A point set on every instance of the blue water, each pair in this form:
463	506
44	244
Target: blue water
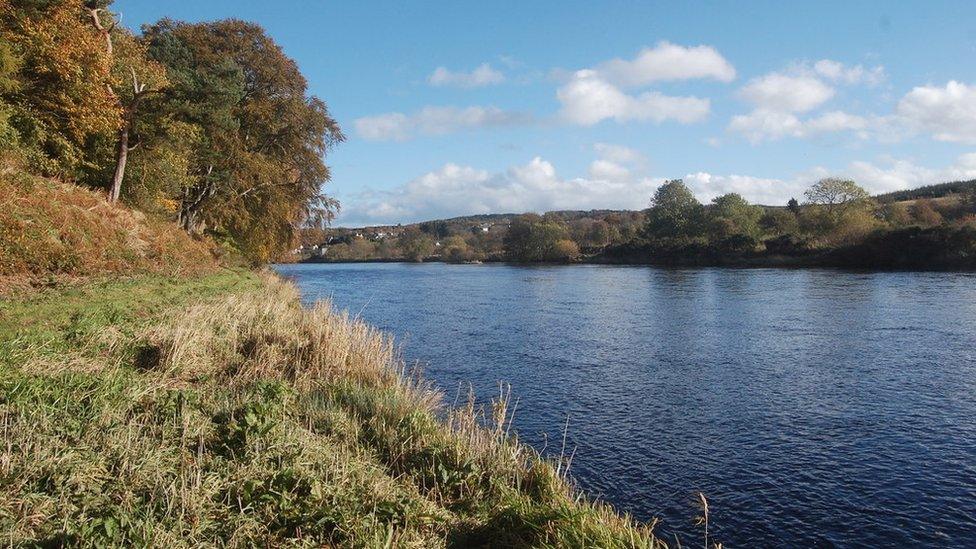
812	407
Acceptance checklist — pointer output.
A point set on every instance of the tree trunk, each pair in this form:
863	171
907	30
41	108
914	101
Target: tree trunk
193	200
122	156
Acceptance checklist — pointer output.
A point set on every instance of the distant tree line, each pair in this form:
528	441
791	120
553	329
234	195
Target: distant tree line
834	215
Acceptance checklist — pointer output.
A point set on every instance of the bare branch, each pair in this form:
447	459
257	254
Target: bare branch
107	33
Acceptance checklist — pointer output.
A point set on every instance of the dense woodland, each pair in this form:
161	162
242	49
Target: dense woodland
837	222
209	125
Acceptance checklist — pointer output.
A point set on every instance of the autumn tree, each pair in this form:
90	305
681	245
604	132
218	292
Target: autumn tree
415	244
839	211
257	174
534	238
924	213
58	100
835	196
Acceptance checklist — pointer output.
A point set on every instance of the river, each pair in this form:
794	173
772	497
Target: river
812	407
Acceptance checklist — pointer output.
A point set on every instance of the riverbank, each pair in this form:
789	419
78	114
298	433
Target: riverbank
216	410
943	248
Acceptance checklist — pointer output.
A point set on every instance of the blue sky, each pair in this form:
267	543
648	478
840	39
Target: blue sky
455	108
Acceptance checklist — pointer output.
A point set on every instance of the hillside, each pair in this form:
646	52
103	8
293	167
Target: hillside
929	191
52	231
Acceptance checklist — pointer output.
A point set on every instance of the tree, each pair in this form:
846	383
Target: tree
58	99
135	78
839	211
793	206
925	214
731	214
534	238
415	245
257	178
565	250
599	234
777	222
835	195
361	249
897	214
674	213
436	229
456	249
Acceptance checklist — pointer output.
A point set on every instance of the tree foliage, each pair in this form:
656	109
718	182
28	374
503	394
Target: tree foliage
56	95
209	123
674	213
257	177
731	215
534	238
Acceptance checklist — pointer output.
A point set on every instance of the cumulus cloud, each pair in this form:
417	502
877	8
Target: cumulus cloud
483	75
588	99
839	72
947	112
589	96
780	98
892	174
618	153
758	190
455	190
784	93
667	61
397	126
762	124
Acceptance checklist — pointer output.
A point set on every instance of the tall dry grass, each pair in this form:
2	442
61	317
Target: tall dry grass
52	229
248	420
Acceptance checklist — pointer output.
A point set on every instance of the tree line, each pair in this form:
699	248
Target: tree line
834	214
210	124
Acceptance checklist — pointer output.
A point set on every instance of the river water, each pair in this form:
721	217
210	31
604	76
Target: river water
812	407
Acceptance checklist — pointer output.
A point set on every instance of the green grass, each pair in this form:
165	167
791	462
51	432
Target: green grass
63	321
219	412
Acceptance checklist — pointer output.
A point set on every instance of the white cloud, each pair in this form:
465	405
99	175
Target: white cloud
785	93
608	170
896	174
455	190
397	126
588	99
836	71
667	61
763	124
757	190
618	153
948	112
836	121
483	75
780	98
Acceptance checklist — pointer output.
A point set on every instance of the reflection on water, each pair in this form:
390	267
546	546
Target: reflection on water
812	407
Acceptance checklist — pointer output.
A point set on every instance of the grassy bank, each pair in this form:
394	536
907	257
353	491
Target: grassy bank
218	411
53	232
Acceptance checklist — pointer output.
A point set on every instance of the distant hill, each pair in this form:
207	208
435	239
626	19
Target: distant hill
929	191
484	219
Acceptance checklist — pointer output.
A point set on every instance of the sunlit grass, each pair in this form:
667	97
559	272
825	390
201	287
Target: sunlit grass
221	412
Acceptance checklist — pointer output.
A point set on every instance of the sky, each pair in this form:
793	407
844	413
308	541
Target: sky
456	108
